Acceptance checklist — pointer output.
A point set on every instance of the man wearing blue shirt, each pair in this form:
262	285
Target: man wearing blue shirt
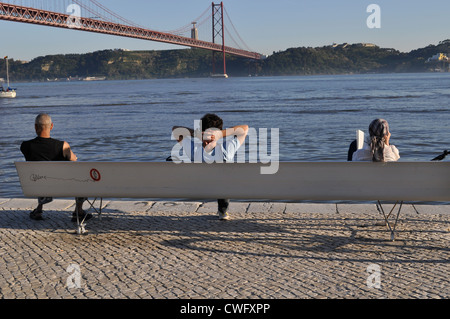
211	144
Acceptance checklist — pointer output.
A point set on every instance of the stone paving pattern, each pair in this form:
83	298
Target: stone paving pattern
173	250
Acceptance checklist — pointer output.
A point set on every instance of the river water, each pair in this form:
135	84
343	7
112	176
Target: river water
317	116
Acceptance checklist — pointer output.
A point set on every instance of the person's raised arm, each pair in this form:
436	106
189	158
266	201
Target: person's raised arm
179	132
240	131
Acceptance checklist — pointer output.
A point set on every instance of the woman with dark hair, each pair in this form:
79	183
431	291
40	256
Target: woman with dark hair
376	146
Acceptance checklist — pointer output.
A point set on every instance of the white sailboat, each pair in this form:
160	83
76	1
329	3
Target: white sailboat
8	92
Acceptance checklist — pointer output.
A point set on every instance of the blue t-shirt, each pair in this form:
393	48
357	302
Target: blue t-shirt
193	152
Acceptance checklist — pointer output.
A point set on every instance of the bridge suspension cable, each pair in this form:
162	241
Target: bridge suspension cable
200	20
104	13
243	44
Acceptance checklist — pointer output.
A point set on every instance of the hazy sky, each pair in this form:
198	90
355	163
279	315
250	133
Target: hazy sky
266	26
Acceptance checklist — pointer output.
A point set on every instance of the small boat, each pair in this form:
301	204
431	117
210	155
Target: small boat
8	92
216	75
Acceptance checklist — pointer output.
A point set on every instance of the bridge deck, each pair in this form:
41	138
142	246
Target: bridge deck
17	13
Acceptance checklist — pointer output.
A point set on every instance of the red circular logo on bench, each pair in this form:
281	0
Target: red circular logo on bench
95	175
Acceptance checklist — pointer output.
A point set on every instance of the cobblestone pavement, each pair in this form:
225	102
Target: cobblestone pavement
173	250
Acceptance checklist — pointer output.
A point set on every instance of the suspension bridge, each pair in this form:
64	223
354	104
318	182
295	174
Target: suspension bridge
92	16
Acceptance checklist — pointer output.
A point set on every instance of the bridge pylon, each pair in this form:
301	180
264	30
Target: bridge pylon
218	32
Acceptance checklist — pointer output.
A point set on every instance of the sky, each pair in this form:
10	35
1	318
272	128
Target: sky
266	26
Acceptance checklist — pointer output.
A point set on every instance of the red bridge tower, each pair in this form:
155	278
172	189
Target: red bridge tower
218	31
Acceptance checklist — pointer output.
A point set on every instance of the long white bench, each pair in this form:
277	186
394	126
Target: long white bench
294	181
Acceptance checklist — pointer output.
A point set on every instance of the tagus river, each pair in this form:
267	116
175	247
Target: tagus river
317	116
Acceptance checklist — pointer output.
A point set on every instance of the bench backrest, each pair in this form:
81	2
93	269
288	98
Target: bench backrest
323	181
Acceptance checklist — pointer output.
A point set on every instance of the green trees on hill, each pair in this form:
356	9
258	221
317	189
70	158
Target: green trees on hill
333	60
122	64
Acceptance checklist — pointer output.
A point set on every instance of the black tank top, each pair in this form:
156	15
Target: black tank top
43	149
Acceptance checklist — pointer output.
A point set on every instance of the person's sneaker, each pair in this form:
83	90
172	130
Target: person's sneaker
224	216
36	215
82	217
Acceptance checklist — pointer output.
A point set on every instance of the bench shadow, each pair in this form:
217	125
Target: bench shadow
303	238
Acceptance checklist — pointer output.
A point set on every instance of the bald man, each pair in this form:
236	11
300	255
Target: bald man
45	148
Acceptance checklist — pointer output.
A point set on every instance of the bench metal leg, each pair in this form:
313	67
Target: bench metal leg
99	211
81	225
386	218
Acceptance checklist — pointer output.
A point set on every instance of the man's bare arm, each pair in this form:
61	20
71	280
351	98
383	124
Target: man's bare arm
68	154
240	131
179	132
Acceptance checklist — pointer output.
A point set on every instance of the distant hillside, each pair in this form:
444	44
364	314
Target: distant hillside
122	64
355	58
117	64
